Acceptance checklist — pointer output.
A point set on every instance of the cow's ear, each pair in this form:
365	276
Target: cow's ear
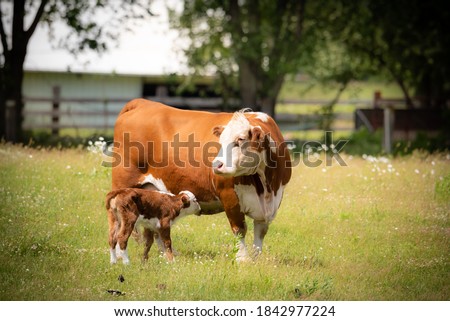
186	200
217	131
256	134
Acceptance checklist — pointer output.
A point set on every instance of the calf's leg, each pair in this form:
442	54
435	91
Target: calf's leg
164	233
148	236
113	229
126	228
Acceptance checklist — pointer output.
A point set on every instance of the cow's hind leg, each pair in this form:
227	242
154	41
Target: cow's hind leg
260	230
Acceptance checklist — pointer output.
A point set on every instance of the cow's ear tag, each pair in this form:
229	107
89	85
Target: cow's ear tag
217	131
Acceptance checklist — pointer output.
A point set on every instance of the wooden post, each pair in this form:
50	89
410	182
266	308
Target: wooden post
55	110
388	129
376	99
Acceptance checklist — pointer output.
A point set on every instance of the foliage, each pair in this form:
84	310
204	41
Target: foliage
442	188
408	40
371	230
364	142
45	139
90	26
256	43
423	142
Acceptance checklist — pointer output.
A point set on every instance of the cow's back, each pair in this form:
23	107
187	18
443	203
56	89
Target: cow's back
166	144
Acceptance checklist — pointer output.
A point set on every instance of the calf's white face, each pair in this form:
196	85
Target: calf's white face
241	150
191	204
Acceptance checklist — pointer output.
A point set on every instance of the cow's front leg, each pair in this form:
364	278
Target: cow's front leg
239	228
260	230
237	221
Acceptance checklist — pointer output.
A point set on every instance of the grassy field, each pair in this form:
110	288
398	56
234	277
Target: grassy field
377	229
306	89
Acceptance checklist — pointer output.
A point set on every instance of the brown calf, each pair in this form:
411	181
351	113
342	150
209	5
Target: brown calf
155	211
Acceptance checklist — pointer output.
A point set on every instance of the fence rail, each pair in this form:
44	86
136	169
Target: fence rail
67	112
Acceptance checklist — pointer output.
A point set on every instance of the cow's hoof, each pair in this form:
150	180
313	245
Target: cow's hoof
243	259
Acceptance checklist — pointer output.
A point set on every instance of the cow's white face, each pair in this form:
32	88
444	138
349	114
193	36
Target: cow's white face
241	151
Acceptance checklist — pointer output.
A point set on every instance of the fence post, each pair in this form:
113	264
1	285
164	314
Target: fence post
376	99
55	110
388	129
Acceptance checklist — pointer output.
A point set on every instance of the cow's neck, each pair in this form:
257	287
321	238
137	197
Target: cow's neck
260	180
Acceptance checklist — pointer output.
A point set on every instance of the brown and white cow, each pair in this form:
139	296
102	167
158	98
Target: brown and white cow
155	211
232	162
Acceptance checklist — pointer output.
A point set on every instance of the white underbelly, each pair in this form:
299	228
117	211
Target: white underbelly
151	224
259	207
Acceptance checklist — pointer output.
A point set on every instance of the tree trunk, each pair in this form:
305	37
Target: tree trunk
248	86
408	99
2	105
14	107
12	104
270	96
12	74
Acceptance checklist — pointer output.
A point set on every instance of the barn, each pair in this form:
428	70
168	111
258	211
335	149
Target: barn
57	100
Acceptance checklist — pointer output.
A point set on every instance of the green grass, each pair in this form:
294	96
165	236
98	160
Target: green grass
355	90
360	232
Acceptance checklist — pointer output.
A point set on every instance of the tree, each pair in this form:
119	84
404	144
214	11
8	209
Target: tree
87	32
257	40
407	39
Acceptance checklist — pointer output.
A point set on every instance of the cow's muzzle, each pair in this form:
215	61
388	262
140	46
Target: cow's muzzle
218	167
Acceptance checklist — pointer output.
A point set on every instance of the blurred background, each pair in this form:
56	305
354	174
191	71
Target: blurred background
376	73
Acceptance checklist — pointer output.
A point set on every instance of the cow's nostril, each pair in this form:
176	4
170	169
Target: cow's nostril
217	164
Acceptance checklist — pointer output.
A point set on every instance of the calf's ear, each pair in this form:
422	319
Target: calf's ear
256	134
186	200
217	131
